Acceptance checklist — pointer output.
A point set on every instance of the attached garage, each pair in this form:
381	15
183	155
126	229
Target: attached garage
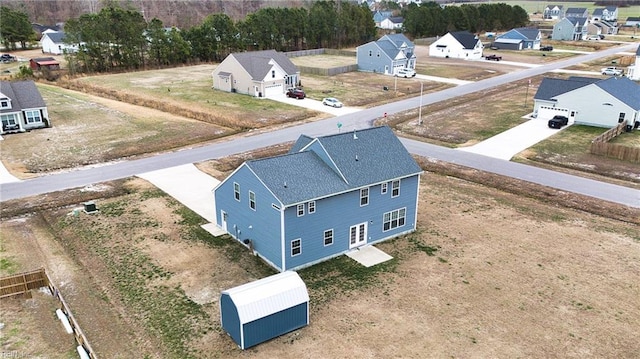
273	90
267	308
547	112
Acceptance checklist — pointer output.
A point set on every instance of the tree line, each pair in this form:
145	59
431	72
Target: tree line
119	38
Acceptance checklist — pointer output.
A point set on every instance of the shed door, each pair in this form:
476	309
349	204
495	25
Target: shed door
358	235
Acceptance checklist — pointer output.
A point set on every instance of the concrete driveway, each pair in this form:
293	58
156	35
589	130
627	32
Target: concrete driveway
513	141
315	105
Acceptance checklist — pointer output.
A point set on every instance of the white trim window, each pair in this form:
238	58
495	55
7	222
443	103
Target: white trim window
394	219
296	247
9	120
311	207
236	191
300	210
252	200
33	116
395	188
384	188
364	196
328	237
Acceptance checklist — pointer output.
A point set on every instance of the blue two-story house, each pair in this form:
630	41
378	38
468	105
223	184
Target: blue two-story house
326	196
388	55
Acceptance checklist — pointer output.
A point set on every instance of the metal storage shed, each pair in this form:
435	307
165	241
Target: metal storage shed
262	310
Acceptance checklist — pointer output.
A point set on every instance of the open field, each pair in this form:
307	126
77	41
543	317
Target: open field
324	61
535	6
542	280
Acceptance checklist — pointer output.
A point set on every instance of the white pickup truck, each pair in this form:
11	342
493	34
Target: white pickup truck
612	71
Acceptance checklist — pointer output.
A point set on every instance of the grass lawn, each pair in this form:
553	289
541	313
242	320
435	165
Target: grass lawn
324	61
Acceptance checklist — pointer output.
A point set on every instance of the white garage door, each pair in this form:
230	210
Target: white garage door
547	113
273	90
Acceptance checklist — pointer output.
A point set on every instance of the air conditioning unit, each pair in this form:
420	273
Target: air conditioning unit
90	207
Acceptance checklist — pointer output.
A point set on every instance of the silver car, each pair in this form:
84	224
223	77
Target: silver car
331	101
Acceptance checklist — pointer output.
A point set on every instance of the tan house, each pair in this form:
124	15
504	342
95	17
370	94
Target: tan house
265	73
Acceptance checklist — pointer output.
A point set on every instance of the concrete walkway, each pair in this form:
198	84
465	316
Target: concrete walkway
191	187
515	140
368	255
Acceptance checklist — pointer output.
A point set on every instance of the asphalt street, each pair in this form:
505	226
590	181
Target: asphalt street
350	122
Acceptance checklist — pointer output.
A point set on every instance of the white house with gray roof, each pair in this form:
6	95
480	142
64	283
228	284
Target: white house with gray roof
327	196
265	73
22	107
590	101
609	13
457	45
633	71
387	55
52	42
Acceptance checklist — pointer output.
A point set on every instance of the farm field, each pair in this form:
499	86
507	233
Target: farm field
541	280
535	6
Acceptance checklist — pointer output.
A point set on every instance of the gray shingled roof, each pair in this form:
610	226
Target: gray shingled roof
598	12
550	87
465	38
23	95
396	19
256	63
361	158
578	20
56	37
528	32
575	11
623	89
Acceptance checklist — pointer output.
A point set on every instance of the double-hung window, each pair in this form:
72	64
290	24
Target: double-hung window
395	188
236	191
296	247
252	200
300	208
311	207
364	197
328	237
384	187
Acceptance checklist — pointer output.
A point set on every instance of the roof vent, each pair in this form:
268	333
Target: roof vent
285	184
355	137
356	157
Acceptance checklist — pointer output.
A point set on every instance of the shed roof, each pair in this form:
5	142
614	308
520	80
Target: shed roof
23	95
466	39
329	165
256	63
268	295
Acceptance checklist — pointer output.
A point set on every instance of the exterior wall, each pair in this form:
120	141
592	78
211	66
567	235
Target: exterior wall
230	319
374	63
275	76
274	325
241	80
565	30
261	226
508	45
589	102
389	25
340	213
446	46
42	121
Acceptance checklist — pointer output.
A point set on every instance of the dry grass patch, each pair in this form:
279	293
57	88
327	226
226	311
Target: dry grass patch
323	61
88	130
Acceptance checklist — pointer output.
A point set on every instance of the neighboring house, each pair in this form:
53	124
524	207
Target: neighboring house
387	55
265	73
327	196
52	42
589	101
570	28
580	12
633	71
457	45
609	13
606	27
632	21
553	12
519	39
378	16
595	28
41	63
392	23
22	107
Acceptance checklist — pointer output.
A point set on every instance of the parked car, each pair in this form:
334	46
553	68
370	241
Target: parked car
611	71
546	48
7	58
406	73
594	38
331	101
493	57
296	93
558	121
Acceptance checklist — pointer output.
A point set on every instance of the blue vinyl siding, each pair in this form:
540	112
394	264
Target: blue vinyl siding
262	226
373	63
276	324
229	318
340	213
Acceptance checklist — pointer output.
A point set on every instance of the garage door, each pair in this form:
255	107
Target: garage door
547	113
273	90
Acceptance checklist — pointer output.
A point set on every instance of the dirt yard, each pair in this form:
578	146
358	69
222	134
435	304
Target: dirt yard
488	274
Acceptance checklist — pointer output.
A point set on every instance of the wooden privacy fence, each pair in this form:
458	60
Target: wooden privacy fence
601	146
328	71
23	283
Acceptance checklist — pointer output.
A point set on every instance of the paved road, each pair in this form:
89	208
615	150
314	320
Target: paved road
350	122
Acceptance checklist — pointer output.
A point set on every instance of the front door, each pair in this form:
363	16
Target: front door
223	215
358	235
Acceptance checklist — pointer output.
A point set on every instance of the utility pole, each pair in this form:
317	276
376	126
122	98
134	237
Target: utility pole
420	109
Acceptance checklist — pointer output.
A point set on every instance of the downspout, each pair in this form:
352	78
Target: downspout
282	249
415	220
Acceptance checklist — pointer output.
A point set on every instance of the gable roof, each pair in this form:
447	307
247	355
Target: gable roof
577	20
392	44
333	164
398	40
552	87
23	95
396	19
623	89
553	6
466	39
525	33
575	11
56	37
597	12
256	63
